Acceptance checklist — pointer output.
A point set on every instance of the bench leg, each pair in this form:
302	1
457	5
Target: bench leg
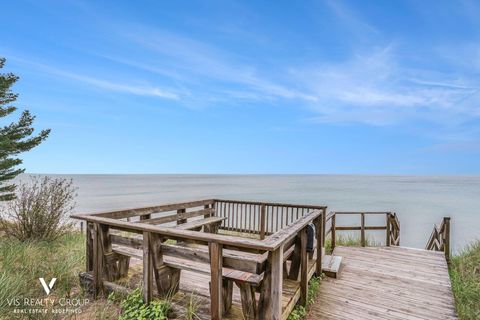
123	264
227	293
168	281
249	304
285	270
211	228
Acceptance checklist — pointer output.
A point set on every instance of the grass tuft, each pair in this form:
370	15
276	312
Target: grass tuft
465	278
22	263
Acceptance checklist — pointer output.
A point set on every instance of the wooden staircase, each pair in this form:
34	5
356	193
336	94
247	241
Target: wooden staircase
331	265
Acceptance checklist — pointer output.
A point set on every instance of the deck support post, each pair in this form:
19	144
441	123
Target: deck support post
270	304
216	283
147	269
304	268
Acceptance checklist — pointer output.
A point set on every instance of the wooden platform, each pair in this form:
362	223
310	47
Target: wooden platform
387	283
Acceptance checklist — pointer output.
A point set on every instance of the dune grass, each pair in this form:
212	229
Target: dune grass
23	263
465	278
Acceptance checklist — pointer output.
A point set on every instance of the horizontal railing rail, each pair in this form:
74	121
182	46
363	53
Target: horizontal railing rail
392	226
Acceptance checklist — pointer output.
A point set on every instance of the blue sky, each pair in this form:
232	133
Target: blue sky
368	87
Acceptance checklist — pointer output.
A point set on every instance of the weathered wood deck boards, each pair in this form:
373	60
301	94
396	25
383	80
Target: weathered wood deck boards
387	283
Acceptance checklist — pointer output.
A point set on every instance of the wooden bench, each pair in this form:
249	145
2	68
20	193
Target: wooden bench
210	224
170	272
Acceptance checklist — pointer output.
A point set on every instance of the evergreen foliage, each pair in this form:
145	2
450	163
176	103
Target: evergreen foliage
15	137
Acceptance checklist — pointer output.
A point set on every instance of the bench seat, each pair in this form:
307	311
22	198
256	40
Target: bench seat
187	264
195	224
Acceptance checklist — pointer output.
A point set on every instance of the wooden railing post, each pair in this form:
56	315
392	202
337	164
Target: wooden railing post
181	220
320	230
446	238
97	261
262	222
388	226
147	269
270	304
89	247
333	231
304	267
324	223
216	265
362	230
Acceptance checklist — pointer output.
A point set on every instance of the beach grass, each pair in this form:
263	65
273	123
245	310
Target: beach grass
465	278
348	240
23	263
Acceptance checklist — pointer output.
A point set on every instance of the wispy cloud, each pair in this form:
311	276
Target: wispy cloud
376	88
143	90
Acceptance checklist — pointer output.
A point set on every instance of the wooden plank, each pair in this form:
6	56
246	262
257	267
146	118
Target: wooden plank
216	307
241	260
387	283
174	233
132	212
199	223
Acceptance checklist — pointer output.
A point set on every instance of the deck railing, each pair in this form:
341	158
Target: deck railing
155	225
392	227
440	238
260	218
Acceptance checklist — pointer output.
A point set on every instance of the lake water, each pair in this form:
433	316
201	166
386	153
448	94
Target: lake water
420	201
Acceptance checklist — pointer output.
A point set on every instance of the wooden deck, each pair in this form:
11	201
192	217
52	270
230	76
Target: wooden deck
387	283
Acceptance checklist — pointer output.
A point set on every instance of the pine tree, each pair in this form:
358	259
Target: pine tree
15	137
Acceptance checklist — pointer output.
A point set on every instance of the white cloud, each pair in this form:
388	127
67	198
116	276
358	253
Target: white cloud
143	90
375	88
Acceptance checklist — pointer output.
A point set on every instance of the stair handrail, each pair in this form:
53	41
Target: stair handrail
393	230
440	238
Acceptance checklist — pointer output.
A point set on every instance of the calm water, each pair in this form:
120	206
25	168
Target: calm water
419	201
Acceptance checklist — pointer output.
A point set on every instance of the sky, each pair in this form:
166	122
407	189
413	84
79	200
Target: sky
293	87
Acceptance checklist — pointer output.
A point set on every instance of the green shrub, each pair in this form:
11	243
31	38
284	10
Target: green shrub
133	308
40	210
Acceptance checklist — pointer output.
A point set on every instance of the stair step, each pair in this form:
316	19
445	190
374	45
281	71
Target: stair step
331	265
